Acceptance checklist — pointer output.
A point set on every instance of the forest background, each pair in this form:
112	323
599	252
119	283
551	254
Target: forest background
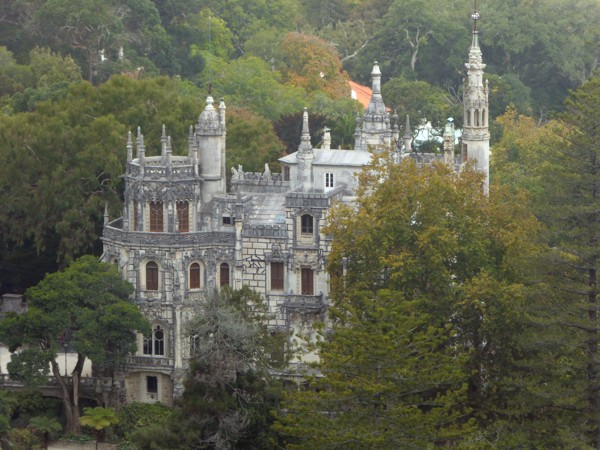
148	62
496	299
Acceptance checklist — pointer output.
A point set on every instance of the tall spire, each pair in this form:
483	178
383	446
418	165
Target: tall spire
407	138
305	144
476	136
475	17
129	147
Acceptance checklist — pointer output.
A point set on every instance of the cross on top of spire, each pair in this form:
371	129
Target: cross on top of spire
475	16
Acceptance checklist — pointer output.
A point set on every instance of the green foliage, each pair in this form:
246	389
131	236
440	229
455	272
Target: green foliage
251	84
428	287
228	390
46	427
567	305
251	141
99	418
23	439
88	304
422	102
140	416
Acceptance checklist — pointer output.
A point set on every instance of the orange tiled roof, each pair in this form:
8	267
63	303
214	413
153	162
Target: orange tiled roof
361	93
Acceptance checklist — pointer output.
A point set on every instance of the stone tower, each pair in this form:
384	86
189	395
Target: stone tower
305	157
476	136
375	131
210	137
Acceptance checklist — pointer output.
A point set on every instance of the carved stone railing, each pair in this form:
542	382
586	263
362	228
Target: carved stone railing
272	231
256	182
302	303
154	169
86	383
170	239
150	361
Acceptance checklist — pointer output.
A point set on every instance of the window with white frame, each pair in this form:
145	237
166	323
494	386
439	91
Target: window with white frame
329	181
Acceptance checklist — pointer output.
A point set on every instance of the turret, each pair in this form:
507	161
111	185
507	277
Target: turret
476	136
448	138
210	136
305	156
376	131
407	138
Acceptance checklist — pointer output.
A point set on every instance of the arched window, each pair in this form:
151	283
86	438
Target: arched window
156	216
476	117
151	276
195	280
307	224
183	216
155	344
224	275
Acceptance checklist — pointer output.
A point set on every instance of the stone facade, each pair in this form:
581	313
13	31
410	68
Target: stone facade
182	234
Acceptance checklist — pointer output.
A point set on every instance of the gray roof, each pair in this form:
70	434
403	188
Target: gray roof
267	209
324	157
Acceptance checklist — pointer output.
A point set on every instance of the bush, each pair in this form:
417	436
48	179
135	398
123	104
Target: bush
137	416
23	439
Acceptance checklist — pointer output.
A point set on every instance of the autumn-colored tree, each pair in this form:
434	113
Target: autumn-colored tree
312	64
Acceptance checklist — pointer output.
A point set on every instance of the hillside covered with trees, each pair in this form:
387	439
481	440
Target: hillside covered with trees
149	63
459	319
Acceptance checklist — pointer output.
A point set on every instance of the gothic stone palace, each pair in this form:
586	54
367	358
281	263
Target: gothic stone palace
182	234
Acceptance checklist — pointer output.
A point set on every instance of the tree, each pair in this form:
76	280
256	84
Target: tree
99	419
250	83
312	64
569	320
88	304
422	102
229	392
428	287
251	141
46	426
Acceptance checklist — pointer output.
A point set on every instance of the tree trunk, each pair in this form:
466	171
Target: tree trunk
71	410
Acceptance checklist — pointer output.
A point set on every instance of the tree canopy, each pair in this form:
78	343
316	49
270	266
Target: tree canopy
86	307
428	281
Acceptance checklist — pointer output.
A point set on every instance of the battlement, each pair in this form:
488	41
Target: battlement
258	182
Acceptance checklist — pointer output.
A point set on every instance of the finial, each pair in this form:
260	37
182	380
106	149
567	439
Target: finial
129	147
106	218
305	139
475	16
407	127
305	121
